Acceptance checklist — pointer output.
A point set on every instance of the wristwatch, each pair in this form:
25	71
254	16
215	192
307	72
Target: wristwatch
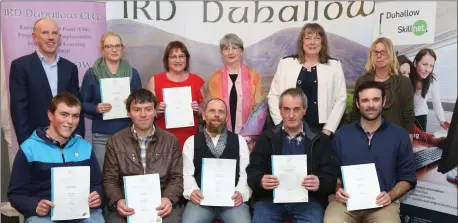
114	206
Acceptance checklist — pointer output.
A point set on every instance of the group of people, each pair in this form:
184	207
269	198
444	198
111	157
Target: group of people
306	104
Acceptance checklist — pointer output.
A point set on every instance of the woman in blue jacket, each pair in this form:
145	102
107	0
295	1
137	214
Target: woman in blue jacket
110	65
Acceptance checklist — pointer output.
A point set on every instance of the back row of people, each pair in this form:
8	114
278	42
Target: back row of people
312	69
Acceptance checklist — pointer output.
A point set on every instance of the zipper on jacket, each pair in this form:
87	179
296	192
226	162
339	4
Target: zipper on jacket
369	141
369	145
311	153
62	152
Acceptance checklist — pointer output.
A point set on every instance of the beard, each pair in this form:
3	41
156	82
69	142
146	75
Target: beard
365	116
216	128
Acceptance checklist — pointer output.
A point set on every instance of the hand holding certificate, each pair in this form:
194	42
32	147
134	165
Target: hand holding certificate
361	184
143	194
290	171
218	182
179	112
115	91
70	188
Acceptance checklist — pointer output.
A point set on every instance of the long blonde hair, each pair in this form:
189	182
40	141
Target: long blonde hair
393	64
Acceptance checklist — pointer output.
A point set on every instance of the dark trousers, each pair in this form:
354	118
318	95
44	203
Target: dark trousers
421	121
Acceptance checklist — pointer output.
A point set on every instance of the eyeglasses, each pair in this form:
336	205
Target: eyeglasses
233	48
117	46
180	57
382	53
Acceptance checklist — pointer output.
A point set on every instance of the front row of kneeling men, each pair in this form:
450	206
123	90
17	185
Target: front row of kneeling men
143	148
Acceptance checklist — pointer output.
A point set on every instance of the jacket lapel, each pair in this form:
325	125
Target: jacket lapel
323	72
276	139
40	75
63	76
295	68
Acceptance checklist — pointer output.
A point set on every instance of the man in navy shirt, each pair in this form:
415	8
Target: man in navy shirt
373	140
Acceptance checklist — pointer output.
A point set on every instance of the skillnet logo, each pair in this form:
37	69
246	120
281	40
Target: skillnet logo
418	28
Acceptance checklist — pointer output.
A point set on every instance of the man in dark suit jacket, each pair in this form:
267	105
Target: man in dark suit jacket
36	78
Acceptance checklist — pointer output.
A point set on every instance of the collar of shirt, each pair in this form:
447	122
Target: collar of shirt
149	137
301	133
371	134
43	59
297	137
214	139
55	142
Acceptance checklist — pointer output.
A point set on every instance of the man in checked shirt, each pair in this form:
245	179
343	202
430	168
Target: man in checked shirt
140	149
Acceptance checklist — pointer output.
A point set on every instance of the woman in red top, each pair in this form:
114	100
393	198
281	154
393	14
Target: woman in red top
176	63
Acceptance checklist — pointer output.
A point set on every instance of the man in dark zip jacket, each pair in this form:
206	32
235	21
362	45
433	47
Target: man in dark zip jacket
292	136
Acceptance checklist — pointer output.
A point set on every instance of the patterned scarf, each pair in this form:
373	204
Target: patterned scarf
217	150
254	105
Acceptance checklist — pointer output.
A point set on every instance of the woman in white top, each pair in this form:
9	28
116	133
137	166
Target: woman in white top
318	75
424	83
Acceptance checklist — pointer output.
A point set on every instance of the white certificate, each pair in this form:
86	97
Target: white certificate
178	111
290	171
115	91
218	182
143	194
70	189
361	184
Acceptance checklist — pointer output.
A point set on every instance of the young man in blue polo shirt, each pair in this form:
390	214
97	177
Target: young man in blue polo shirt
373	140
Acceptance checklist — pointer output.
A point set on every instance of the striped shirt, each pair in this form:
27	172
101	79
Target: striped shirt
369	135
143	142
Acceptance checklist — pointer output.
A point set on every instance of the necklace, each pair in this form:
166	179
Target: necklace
309	65
382	79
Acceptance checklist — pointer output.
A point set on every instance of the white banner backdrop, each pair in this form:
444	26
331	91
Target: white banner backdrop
269	30
406	23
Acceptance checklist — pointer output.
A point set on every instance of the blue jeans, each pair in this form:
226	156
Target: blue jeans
96	217
99	142
205	214
269	212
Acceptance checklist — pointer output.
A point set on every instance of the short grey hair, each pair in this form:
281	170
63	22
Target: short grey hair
41	19
230	39
294	92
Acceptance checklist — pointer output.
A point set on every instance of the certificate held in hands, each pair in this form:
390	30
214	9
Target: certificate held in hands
290	171
115	91
218	182
143	194
70	188
178	111
361	184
